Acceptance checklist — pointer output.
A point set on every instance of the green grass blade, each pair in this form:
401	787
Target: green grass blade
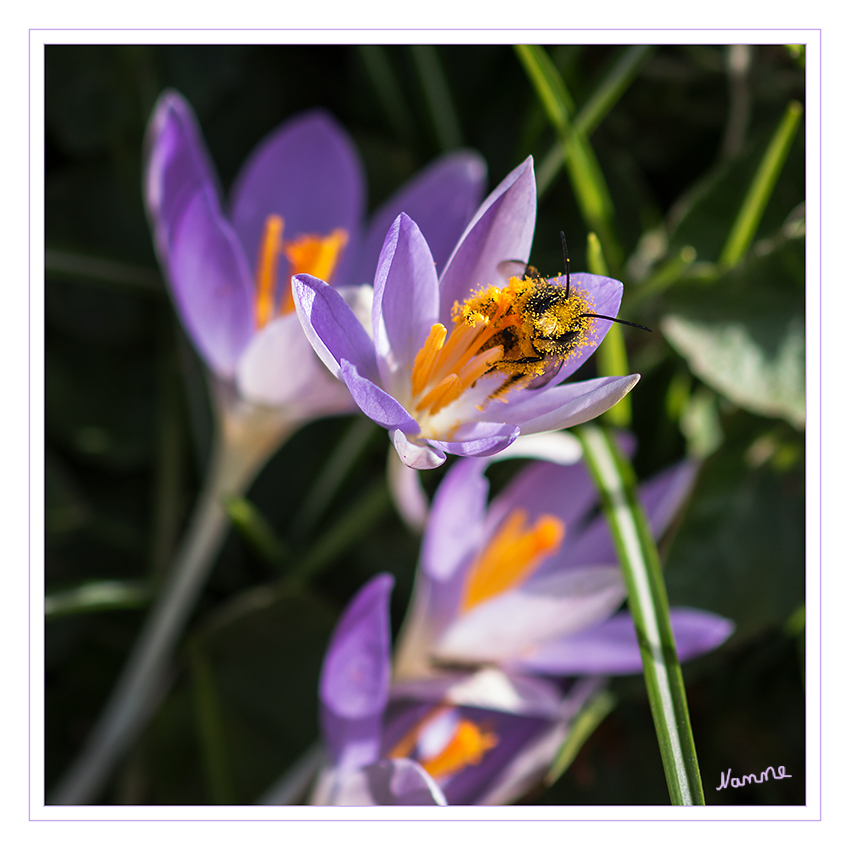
437	96
752	209
255	529
102	271
349	450
591	115
211	727
585	175
585	724
647	599
612	87
611	356
389	93
351	527
97	596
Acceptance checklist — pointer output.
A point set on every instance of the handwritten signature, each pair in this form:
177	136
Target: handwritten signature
735	782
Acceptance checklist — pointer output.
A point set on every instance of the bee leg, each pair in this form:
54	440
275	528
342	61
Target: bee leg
507	385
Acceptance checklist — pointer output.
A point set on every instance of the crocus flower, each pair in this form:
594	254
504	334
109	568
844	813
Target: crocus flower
484	739
531	583
458	364
353	690
296	207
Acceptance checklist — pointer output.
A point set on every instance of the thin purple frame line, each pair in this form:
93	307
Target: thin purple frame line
819	31
423	29
29	428
820	411
438	820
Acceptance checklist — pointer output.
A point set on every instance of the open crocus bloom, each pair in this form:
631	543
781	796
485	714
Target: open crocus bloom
296	207
532	583
459	364
483	739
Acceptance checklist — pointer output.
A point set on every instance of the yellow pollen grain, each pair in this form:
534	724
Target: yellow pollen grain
512	554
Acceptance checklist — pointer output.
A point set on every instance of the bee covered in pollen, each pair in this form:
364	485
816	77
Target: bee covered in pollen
538	324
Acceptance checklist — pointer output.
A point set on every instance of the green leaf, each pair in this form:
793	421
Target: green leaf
740	548
745	336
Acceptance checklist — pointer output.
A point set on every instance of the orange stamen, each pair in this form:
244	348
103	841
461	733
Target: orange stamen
444	393
467	747
512	554
423	364
312	254
270	248
307	254
467	354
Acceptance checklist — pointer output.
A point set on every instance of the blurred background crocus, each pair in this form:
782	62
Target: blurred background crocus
531	583
297	206
511	632
432	372
486	740
354	689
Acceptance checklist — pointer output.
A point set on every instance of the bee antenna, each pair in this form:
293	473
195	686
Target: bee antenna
619	321
566	260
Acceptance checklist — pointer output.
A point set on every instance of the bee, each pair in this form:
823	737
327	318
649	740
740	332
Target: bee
545	323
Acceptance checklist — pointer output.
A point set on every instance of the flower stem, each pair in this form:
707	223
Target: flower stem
246	438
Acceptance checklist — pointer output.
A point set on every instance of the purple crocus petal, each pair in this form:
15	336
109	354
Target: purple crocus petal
553	408
515	734
559	447
440	199
211	284
379	406
478	439
566	492
176	165
509	625
606	295
611	648
278	366
662	497
307	171
489	687
355	678
502	229
454	534
408	494
332	327
456	523
389	782
416	453
406	300
533	760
